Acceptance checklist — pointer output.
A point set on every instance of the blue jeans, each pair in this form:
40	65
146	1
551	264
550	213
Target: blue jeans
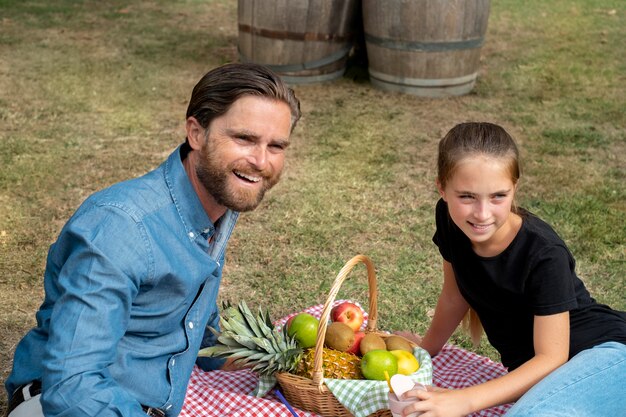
592	383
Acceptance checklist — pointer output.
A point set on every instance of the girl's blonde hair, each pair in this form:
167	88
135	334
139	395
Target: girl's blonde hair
472	326
471	139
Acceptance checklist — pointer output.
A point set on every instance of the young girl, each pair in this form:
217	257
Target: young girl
565	353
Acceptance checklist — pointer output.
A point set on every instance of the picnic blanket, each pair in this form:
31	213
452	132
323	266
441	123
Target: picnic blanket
230	394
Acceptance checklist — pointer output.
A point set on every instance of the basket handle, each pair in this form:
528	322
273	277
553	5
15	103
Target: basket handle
318	373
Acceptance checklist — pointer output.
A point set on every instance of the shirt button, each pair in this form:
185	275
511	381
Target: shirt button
191	324
191	235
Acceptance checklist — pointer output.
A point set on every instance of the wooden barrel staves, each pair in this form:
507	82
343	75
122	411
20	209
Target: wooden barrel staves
429	48
305	41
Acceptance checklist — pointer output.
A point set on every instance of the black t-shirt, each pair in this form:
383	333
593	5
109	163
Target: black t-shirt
534	275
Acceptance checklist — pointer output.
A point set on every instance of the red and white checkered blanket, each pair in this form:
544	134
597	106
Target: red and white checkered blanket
227	394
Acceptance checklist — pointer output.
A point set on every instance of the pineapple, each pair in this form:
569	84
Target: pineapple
336	364
252	341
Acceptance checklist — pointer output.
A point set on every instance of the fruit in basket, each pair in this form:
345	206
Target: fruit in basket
251	340
356	345
336	364
395	342
339	336
303	327
407	362
348	313
372	341
375	362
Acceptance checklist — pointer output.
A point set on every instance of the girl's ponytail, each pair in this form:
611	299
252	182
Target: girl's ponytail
472	326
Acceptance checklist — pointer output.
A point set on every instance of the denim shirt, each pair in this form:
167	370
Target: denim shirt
131	285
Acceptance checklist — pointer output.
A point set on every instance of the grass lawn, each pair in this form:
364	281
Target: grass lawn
92	93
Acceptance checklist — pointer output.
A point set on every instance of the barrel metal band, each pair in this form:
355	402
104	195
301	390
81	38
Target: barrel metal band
313	79
295	36
424	82
424	46
329	59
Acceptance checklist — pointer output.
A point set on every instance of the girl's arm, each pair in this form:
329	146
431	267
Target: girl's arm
450	310
551	343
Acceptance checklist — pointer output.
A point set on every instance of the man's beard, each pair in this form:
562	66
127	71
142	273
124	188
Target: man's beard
215	180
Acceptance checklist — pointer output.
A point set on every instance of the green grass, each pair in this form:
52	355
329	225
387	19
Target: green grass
92	93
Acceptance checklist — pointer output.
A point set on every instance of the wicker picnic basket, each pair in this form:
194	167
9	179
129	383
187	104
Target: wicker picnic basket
311	394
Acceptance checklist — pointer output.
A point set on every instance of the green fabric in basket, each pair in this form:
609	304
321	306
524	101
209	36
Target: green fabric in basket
266	383
363	397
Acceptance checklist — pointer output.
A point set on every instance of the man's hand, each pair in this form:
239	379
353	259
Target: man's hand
230	365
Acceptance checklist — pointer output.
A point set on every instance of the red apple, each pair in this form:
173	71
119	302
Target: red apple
355	348
348	313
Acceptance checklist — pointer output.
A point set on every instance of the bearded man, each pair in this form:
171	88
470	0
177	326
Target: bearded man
131	282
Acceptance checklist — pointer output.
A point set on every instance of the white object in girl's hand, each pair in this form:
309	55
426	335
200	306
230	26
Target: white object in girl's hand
402	383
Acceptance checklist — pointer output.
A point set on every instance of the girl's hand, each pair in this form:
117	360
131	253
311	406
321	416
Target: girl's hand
438	402
413	337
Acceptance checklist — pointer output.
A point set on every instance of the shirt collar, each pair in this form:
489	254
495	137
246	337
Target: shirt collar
194	217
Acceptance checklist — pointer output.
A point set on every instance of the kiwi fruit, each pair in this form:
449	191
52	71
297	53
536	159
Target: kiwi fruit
398	343
339	336
372	341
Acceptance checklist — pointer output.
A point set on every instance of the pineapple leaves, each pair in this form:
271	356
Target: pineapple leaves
250	320
215	351
251	340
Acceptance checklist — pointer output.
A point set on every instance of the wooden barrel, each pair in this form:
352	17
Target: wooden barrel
429	48
305	41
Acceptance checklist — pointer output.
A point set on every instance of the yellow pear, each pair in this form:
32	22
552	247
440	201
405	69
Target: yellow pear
407	363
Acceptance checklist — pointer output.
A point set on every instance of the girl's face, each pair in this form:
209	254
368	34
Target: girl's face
479	196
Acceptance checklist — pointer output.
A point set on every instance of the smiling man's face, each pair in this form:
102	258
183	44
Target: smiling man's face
243	155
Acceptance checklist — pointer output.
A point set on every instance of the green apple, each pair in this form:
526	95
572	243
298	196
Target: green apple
375	362
303	327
